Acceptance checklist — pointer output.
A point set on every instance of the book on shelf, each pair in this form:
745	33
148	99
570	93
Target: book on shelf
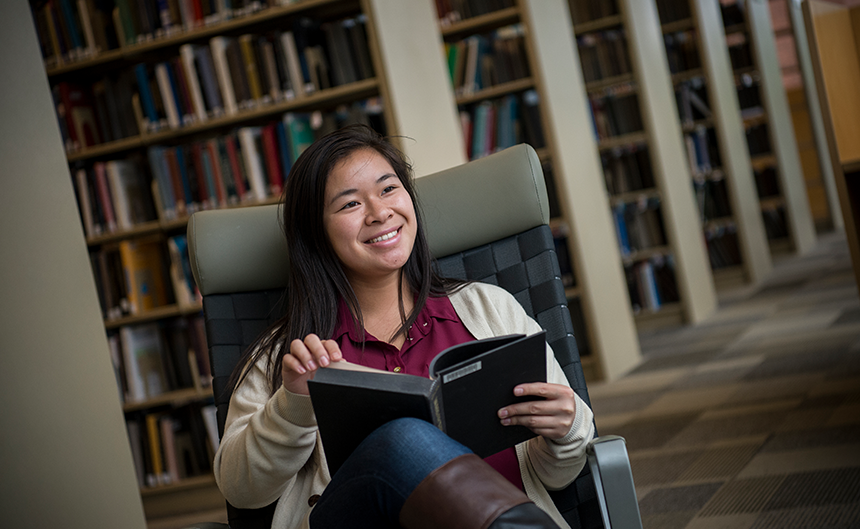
169	445
603	55
469	383
639	225
723	248
184	287
582	11
495	124
673	10
143	350
682	52
144	271
627	168
110	282
651	283
486	60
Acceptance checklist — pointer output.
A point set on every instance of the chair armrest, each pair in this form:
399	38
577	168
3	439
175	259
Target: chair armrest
613	480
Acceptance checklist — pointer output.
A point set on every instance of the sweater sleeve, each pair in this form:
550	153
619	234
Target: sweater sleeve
488	311
267	441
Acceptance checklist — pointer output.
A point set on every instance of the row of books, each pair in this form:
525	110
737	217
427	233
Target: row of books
651	283
496	124
603	54
615	114
99	113
733	13
748	93
712	198
740	53
232	74
692	99
682	51
703	153
486	60
152	359
767	183
775	225
450	11
71	30
113	196
169	445
582	11
627	169
758	139
723	248
138	275
639	225
673	10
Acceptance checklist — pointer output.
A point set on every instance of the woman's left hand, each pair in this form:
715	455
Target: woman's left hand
550	417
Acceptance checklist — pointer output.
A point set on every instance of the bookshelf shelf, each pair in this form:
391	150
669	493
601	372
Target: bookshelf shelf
105	149
174	398
497	91
667	315
481	23
598	25
645	254
620	141
634	196
603	84
678	25
182	485
680	77
160	313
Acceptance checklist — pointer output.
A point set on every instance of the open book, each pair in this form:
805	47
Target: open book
469	383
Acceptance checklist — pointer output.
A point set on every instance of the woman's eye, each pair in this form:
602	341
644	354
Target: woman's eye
389	189
351	204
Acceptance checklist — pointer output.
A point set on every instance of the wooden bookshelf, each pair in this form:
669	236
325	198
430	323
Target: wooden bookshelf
739	233
750	26
598	295
833	33
405	100
688	287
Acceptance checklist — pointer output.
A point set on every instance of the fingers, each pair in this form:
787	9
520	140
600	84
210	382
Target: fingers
551	416
312	353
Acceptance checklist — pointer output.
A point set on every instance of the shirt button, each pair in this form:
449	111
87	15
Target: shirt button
313	500
397	369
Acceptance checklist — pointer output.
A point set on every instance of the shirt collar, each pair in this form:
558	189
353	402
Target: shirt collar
438	308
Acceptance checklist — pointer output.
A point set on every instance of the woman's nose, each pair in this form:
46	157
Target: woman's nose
377	211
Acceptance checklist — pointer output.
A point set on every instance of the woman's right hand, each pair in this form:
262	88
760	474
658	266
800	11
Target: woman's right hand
304	358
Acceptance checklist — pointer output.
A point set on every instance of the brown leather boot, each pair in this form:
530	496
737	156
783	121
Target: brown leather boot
464	493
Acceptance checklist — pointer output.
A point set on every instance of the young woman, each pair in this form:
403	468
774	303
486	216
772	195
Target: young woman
362	289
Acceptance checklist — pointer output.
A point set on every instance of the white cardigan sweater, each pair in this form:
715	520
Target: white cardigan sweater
271	449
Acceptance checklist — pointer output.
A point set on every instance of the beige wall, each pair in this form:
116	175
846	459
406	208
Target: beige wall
64	456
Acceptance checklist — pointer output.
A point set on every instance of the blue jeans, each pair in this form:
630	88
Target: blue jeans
374	482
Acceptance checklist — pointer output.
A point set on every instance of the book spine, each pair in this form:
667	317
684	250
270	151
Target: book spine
218	46
253	166
188	57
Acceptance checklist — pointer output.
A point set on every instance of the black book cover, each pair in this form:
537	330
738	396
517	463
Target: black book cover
470	383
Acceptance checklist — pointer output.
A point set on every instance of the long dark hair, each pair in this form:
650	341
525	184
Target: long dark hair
317	281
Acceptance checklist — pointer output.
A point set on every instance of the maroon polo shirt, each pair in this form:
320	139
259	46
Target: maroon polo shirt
436	328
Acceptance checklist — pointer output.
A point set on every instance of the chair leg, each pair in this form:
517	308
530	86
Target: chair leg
466	493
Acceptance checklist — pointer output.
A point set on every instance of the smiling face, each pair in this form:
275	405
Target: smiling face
369	217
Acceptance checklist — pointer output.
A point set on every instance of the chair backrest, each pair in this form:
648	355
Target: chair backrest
485	220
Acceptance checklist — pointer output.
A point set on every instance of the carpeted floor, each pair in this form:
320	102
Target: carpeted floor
750	419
